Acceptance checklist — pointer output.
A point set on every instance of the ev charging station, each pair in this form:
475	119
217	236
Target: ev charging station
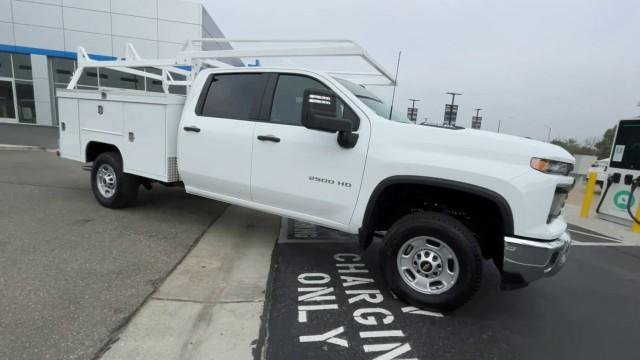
619	203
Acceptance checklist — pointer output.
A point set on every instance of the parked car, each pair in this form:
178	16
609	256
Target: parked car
601	167
315	146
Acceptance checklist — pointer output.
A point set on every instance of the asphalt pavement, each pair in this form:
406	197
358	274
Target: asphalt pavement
328	301
73	272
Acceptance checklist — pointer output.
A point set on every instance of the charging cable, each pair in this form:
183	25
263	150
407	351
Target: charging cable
634	184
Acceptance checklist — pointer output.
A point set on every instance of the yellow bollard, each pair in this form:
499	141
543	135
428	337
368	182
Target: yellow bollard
636	227
588	194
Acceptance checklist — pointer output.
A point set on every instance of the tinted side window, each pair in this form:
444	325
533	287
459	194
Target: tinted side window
233	96
287	100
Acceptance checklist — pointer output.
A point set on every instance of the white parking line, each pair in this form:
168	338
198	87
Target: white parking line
317	241
415	310
580	243
594	235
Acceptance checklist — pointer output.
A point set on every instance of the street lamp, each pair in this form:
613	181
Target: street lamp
453	99
476	123
548	133
413	112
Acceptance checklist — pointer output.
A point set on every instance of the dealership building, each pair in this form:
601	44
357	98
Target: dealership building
39	39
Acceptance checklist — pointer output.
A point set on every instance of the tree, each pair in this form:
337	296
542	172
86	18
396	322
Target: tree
603	147
572	146
591	146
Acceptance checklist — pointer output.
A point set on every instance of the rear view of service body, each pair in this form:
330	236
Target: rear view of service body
320	147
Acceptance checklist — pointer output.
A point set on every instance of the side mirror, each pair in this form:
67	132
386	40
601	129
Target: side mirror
320	112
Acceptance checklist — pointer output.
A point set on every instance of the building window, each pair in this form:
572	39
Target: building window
62	70
88	79
5	65
153	85
7	109
120	80
26	102
60	74
22	67
94	78
17	102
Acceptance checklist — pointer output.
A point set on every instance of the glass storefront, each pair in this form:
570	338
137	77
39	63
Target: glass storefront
17	101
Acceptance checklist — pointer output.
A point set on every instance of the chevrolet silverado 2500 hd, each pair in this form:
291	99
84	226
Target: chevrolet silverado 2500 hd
315	146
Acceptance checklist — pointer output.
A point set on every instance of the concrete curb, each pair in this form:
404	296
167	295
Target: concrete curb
21	147
9	147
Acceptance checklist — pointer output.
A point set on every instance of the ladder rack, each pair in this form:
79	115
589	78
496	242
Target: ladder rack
192	59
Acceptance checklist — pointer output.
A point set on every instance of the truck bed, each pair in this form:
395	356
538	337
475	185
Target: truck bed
143	126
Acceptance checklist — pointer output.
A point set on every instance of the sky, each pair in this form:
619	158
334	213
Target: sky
572	65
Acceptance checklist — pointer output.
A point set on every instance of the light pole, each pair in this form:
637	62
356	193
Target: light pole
453	99
413	115
395	85
548	133
476	123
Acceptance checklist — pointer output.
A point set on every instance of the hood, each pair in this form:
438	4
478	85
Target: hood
478	143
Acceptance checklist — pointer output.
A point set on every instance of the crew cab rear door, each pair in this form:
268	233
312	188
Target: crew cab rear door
305	173
215	139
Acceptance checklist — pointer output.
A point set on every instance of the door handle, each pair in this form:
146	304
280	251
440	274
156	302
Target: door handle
269	138
191	128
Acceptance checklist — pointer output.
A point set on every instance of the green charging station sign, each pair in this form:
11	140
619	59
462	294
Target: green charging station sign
621	198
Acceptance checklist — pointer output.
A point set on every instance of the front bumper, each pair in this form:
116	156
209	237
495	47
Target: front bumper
529	260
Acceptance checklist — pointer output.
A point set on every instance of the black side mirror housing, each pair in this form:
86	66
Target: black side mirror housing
320	112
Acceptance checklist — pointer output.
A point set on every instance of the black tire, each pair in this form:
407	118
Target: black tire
453	234
126	185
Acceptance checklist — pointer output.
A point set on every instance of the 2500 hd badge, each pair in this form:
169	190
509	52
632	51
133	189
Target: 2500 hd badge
330	181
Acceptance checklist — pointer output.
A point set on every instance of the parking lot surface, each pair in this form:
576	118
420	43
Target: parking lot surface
328	301
71	271
73	274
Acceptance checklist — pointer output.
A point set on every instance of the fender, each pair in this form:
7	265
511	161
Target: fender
365	233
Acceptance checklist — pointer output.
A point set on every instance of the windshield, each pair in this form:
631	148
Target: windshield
372	101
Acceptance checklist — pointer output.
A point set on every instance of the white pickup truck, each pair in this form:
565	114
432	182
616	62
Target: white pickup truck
314	146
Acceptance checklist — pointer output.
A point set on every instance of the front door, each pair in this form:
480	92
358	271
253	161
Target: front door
302	172
215	140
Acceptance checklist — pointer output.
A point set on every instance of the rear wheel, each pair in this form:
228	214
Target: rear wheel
432	260
111	186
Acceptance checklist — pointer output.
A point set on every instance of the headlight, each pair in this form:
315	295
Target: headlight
551	166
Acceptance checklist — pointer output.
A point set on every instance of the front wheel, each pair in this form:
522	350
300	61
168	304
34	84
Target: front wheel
111	186
432	260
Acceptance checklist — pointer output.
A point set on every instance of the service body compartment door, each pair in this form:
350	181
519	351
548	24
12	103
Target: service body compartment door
144	143
69	129
102	116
